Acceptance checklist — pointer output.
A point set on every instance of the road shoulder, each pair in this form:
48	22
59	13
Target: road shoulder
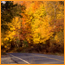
6	59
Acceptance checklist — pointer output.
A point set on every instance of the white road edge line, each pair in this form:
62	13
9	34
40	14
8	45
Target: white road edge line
21	59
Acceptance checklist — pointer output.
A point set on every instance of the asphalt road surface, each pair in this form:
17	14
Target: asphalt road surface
35	58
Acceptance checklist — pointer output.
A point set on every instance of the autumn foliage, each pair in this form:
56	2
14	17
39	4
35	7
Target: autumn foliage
41	26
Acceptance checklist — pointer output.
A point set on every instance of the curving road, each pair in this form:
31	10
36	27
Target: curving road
35	58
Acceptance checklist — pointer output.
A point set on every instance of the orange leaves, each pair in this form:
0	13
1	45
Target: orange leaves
58	25
35	6
59	37
40	20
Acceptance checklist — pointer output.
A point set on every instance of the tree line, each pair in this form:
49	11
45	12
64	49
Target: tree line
33	26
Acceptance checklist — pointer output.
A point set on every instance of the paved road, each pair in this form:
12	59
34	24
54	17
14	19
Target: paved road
35	58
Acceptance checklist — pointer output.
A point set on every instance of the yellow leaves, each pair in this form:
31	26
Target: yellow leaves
2	43
36	37
54	9
37	30
48	17
56	38
15	23
5	46
40	25
10	40
36	40
12	28
28	38
7	38
31	17
42	32
16	19
4	39
60	15
13	33
38	21
59	37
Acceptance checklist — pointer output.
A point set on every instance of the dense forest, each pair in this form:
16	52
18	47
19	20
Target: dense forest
32	26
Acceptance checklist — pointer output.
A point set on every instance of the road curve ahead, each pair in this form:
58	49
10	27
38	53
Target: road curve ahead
35	58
